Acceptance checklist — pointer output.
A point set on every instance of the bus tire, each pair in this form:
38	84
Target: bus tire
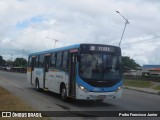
63	93
37	85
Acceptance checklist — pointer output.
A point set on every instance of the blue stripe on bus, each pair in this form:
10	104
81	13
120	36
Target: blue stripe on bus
57	49
88	87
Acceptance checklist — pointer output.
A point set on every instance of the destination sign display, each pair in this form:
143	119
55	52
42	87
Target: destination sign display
99	48
102	48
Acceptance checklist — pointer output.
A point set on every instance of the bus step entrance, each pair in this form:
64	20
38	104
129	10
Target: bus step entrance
45	89
71	96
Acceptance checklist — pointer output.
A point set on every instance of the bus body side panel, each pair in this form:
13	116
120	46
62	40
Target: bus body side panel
55	78
53	81
38	74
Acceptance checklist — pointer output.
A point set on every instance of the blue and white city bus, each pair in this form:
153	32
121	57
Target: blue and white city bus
82	71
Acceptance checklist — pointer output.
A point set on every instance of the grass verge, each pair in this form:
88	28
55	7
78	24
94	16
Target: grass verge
9	102
138	83
157	87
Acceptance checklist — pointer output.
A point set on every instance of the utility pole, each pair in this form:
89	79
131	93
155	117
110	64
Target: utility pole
21	60
126	22
22	57
11	61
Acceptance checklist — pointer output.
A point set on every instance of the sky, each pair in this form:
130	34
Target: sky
26	26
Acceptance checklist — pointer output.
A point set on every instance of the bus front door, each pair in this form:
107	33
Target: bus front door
72	74
46	70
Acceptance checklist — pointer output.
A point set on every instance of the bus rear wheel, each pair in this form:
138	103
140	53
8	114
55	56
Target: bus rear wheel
63	93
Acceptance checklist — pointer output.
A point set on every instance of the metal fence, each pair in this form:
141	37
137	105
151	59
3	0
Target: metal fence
148	78
14	69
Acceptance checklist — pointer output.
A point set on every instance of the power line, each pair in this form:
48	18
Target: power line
144	40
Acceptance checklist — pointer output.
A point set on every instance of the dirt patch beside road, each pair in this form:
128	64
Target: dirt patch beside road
9	102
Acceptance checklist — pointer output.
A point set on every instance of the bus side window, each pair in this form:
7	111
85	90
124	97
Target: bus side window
59	59
47	63
37	59
65	60
41	60
53	59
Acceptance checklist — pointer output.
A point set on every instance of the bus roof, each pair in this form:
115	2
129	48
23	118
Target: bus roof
64	48
56	49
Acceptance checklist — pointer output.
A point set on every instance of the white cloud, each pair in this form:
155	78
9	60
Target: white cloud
25	24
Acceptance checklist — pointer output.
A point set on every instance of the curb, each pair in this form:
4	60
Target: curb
155	93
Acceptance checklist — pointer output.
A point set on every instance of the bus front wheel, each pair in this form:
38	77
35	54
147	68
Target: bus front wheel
63	93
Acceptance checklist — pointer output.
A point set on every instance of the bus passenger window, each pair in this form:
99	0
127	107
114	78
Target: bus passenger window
41	60
37	58
59	59
65	60
53	59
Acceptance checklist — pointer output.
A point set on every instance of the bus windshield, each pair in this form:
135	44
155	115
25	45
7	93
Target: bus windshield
100	66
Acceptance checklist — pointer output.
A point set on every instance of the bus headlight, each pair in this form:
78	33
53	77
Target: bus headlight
119	88
83	88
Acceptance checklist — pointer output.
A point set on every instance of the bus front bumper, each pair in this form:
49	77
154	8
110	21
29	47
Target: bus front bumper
84	95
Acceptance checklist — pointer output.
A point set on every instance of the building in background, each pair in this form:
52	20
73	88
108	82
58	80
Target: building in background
155	71
145	71
151	70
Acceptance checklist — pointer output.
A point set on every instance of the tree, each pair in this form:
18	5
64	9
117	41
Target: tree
2	61
20	62
128	64
9	63
1	58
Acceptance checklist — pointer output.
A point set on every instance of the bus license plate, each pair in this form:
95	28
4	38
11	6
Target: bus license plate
101	96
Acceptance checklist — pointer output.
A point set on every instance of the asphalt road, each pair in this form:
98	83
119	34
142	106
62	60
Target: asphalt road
131	100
